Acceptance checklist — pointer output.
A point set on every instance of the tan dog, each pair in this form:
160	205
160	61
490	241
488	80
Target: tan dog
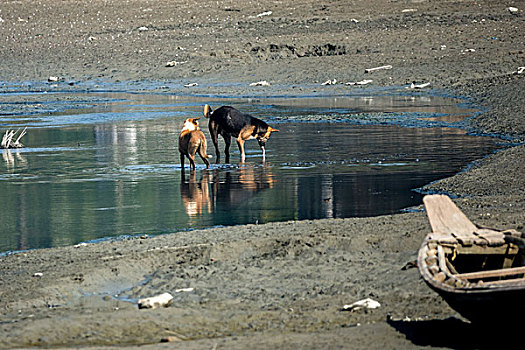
191	141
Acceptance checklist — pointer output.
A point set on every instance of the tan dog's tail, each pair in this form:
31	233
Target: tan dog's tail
207	111
203	146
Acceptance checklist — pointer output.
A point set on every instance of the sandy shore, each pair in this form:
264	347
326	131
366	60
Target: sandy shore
279	285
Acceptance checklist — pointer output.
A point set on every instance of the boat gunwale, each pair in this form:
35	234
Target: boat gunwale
469	288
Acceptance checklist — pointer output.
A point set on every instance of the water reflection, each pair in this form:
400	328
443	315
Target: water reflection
122	177
13	159
196	194
224	188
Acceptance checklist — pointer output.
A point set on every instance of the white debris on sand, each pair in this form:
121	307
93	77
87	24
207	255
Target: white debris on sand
362	82
262	14
174	63
260	83
378	68
362	304
164	300
418	86
330	82
520	70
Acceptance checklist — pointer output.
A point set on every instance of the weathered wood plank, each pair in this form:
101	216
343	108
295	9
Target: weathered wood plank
445	216
492	237
486	250
509	281
491	273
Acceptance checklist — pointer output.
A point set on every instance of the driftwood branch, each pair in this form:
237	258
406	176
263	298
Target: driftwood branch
7	139
378	68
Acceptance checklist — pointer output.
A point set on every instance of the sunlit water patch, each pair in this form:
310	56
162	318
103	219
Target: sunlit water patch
108	165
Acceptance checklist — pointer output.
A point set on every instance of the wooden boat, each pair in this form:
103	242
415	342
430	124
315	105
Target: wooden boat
479	272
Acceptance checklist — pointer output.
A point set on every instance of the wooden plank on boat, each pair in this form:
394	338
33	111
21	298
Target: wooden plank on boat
509	281
442	238
445	216
492	237
491	273
486	250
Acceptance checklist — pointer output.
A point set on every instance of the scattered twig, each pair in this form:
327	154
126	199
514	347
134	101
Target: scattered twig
262	14
362	82
330	82
378	68
173	63
418	86
7	139
520	70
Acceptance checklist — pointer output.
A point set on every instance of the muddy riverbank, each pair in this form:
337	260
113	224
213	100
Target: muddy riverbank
279	285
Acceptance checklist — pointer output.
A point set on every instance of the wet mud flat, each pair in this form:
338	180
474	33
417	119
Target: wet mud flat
279	284
65	306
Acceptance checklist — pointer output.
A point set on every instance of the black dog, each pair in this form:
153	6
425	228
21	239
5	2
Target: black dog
228	122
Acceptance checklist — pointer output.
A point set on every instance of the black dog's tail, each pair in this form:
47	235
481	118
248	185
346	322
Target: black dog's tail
207	111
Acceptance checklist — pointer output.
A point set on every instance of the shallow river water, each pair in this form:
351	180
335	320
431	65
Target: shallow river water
105	164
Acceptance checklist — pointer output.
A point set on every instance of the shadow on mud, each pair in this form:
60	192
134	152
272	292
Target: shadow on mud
455	333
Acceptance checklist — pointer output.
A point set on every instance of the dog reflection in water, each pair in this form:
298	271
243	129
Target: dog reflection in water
234	189
191	141
196	195
227	189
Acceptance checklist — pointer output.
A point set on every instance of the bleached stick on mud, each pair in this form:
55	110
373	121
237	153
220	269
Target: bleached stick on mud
368	70
7	139
418	86
330	82
17	141
362	82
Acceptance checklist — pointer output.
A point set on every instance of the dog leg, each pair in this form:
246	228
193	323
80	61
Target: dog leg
204	156
191	157
227	141
192	162
194	147
240	143
182	162
214	133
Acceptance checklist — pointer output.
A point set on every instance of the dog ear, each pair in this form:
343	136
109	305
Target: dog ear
207	111
270	129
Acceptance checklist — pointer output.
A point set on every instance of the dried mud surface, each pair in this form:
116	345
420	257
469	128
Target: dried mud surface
279	285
